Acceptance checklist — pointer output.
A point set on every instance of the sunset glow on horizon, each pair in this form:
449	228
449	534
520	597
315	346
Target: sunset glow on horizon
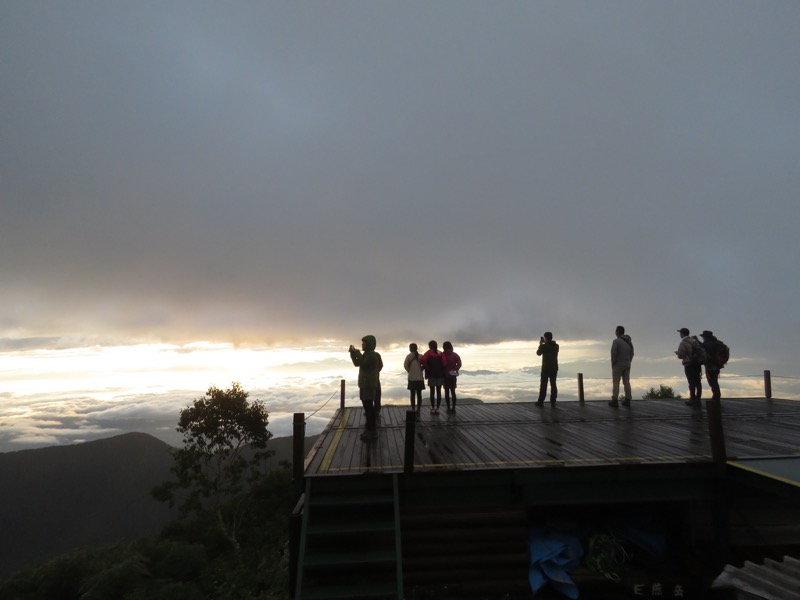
67	395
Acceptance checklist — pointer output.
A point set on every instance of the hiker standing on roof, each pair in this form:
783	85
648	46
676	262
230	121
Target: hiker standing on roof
367	364
712	344
452	364
688	351
434	373
548	350
621	358
378	387
416	381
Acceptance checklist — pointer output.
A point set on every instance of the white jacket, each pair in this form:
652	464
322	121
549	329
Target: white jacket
413	366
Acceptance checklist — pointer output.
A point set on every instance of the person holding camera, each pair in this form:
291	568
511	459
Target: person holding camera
548	350
368	362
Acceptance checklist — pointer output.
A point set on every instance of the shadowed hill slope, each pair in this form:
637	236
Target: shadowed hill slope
53	500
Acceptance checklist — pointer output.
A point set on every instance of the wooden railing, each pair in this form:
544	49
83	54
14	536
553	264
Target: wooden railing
714	413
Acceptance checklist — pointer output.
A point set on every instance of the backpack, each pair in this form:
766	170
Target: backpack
699	354
721	354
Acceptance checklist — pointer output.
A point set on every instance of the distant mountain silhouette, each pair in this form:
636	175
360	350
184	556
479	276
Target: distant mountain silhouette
53	500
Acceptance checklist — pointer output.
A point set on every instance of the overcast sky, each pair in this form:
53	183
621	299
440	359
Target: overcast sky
479	171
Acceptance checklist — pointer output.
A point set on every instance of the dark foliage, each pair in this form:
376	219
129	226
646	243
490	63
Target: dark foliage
190	560
223	456
232	540
663	391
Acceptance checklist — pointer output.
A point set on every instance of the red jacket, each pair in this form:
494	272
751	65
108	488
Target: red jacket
433	365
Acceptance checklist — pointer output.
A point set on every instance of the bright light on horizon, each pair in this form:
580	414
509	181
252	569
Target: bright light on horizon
54	396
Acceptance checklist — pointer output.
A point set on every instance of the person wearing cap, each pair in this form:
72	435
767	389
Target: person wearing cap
693	370
368	365
711	344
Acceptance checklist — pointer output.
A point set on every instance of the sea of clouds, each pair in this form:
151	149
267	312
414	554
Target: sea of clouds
72	395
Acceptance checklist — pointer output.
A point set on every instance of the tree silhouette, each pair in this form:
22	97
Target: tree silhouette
664	391
223	457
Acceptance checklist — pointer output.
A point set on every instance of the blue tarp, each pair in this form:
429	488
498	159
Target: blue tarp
552	553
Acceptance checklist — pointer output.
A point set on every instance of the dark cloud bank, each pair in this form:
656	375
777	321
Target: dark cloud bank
264	172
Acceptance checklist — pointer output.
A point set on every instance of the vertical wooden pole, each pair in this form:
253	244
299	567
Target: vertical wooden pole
767	384
715	431
295	531
341	395
581	397
411	427
298	451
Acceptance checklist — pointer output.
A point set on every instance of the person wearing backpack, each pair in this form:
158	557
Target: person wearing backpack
691	353
714	362
434	373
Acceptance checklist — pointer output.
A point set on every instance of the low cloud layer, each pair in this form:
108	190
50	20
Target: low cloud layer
95	404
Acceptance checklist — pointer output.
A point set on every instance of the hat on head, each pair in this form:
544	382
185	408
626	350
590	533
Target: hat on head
683	331
707	333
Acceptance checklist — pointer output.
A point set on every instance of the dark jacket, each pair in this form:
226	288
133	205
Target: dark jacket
549	353
367	363
433	365
711	344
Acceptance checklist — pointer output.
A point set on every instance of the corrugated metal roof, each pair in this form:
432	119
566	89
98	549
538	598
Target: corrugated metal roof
774	580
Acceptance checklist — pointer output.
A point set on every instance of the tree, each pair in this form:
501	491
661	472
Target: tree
223	458
664	391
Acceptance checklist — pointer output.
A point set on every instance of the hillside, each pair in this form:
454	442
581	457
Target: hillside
53	500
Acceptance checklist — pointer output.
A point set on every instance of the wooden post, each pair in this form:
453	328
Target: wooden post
580	388
298	451
411	423
295	531
715	431
767	384
341	395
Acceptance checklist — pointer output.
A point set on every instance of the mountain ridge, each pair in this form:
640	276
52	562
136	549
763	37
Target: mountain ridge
59	498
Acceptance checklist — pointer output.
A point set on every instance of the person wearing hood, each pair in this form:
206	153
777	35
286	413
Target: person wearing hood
711	344
368	366
621	358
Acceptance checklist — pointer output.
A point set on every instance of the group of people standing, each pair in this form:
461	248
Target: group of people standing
694	354
441	370
621	359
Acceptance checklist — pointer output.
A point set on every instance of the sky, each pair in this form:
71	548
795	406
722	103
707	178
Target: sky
265	176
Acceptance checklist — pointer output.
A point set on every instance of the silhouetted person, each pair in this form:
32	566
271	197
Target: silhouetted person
687	351
378	387
711	344
367	364
434	372
548	350
621	358
452	363
416	381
